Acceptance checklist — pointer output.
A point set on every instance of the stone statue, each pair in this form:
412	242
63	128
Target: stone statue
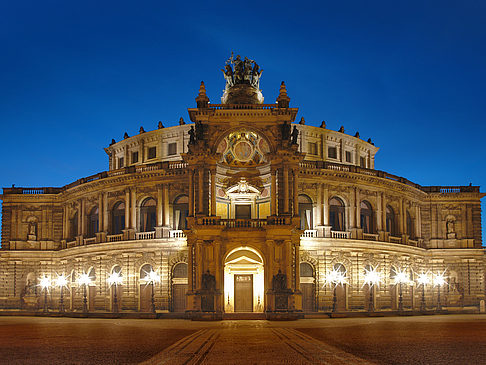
125	136
112	141
238	71
279	282
323	124
357	135
285	131
29	287
228	76
32	236
141	130
255	76
181	121
295	134
208	282
450	226
341	129
192	136
199	131
160	126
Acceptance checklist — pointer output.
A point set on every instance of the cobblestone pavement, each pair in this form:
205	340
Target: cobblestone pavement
450	339
238	343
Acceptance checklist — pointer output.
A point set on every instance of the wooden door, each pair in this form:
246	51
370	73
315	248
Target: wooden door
91	297
243	293
179	297
308	297
146	298
341	298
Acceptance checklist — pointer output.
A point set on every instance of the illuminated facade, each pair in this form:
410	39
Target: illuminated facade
241	210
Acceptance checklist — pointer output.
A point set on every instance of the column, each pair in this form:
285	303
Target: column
166	212
100	212
213	192
358	208
160	218
418	222
105	212
286	189
64	222
191	193
273	192
383	211
127	208
378	213
296	192
401	223
200	188
325	206
133	206
82	227
319	213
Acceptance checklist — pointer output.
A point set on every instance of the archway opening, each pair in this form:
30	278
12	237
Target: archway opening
244	281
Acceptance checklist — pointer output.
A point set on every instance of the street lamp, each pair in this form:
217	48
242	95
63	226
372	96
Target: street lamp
45	283
115	279
439	280
84	280
371	278
151	278
400	278
336	277
61	282
423	279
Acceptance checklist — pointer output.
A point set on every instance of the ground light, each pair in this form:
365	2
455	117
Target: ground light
423	279
152	278
335	278
115	279
438	280
400	278
45	283
61	282
371	278
84	280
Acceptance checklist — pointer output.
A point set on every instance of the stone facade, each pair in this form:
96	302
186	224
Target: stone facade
241	210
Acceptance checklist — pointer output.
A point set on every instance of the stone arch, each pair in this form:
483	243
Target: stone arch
306	212
337	213
243	126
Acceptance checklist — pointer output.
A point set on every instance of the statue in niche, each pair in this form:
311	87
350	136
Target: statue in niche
285	131
208	282
451	233
192	136
29	287
279	282
295	134
199	131
32	235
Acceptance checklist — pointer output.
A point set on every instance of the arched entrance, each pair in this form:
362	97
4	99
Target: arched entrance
307	287
243	281
179	287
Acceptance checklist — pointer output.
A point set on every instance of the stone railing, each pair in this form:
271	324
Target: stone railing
114	237
394	239
243	223
370	236
89	241
309	233
340	234
385	175
145	235
177	233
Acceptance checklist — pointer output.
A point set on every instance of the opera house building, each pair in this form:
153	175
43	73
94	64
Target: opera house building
241	210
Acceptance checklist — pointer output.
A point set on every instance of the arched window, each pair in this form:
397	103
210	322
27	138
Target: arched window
410	227
306	270
145	270
340	268
117	269
393	273
366	217
390	221
180	270
148	215
305	212
336	214
181	211
92	275
73	226
93	220
118	218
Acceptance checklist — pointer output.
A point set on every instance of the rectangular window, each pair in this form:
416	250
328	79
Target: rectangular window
349	157
135	157
332	152
152	152
312	148
120	162
172	149
362	162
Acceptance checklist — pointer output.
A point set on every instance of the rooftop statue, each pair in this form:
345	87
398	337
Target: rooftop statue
242	78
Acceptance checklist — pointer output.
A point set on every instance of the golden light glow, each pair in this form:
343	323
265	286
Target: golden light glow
45	282
115	278
336	277
61	281
372	276
423	278
151	277
439	279
84	279
401	277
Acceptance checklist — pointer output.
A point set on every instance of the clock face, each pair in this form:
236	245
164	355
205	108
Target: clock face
243	148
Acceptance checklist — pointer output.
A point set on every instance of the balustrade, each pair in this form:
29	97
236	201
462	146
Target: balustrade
89	241
370	236
309	233
145	235
114	237
394	239
177	233
340	234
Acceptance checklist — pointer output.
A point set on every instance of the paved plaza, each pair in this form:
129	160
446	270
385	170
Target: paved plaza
447	339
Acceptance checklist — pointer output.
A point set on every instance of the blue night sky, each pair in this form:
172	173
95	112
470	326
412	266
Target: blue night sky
74	75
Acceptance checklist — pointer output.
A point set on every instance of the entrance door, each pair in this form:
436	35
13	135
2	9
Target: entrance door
243	211
243	293
179	297
146	297
308	297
